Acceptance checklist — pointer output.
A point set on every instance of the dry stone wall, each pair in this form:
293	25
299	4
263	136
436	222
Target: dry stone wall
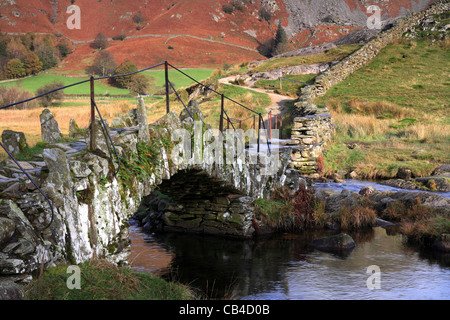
313	127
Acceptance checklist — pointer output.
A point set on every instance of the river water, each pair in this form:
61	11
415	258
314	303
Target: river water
286	267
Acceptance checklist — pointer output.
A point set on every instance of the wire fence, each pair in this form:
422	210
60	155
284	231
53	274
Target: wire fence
168	85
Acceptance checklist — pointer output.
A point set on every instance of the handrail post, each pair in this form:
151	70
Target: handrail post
91	141
222	104
259	128
166	71
270	125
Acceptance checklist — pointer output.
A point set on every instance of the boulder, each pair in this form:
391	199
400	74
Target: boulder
14	141
442	170
368	191
49	127
344	199
169	121
194	111
336	243
73	129
404	173
293	181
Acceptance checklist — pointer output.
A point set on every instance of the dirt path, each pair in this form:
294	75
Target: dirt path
277	107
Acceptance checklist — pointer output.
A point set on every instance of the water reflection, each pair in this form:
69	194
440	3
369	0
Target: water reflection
286	267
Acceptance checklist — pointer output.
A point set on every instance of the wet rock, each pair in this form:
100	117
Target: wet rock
442	170
402	184
368	191
14	141
404	173
435	183
344	199
49	127
337	243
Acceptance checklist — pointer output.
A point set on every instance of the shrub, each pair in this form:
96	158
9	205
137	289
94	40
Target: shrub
9	95
265	13
46	100
124	68
100	42
291	212
228	8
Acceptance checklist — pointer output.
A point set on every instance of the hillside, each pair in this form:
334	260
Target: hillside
191	33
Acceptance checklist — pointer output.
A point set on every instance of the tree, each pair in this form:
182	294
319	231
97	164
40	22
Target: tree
103	64
124	68
64	48
15	69
281	44
15	49
139	84
45	50
100	42
46	100
32	63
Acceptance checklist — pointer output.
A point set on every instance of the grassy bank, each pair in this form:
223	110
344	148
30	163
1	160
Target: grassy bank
287	88
101	280
393	112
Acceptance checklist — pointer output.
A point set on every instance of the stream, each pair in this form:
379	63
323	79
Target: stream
286	267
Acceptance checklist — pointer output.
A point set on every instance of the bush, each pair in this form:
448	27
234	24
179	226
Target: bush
291	212
100	42
228	8
9	95
265	13
124	68
47	100
139	84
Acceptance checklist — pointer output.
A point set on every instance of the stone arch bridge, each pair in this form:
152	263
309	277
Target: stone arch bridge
93	200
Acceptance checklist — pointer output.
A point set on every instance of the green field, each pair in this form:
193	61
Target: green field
156	78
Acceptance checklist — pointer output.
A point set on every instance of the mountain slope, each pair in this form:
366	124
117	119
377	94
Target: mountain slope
151	26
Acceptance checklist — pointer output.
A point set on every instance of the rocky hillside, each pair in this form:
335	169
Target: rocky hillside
196	31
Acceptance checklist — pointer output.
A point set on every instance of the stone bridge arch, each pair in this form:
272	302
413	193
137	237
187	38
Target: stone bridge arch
93	205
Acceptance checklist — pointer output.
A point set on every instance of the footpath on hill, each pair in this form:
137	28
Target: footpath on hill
278	106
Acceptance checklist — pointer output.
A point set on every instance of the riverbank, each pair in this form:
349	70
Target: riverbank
102	280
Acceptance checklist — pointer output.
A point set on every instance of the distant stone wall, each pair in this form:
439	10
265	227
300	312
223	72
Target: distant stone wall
313	127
